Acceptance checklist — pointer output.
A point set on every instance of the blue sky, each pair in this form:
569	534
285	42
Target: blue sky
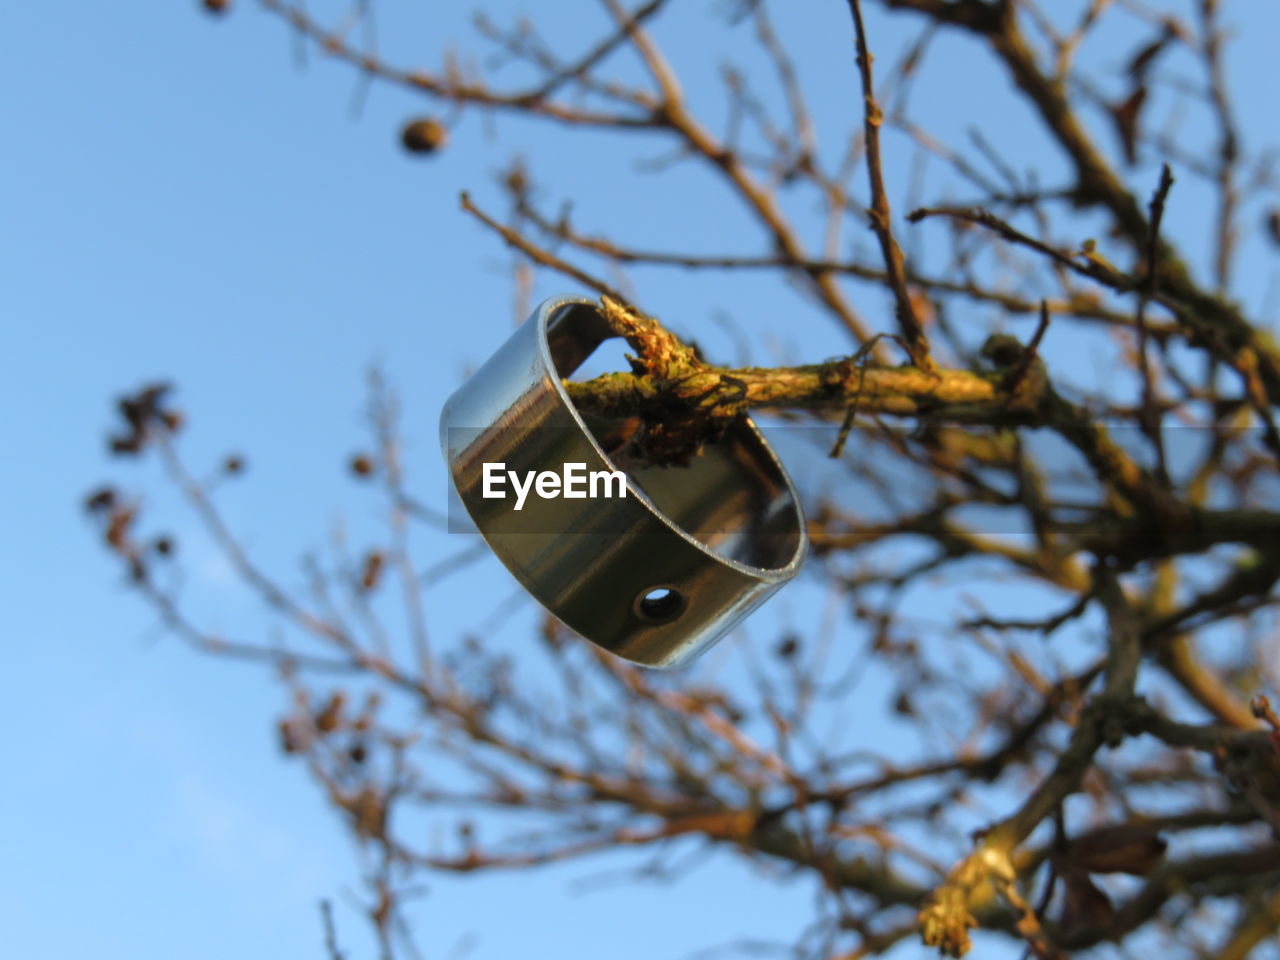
179	200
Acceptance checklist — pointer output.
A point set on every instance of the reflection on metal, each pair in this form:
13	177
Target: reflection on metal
656	576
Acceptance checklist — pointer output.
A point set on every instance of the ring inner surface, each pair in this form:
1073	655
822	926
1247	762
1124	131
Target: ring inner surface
732	496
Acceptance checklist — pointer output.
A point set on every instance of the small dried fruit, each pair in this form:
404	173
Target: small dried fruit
1126	848
424	136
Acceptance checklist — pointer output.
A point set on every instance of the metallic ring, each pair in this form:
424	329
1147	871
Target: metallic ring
656	575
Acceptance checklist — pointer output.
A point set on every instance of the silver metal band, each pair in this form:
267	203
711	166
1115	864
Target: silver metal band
656	576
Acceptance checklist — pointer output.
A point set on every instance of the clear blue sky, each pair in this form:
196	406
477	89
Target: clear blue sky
177	200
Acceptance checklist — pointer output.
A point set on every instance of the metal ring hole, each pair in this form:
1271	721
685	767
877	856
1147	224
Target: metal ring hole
659	604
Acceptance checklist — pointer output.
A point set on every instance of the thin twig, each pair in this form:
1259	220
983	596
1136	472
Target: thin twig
862	358
1019	372
917	343
330	932
538	255
1150	402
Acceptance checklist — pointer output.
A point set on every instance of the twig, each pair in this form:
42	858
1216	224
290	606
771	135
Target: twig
578	70
330	932
1088	308
673	113
946	918
1150	418
917	344
1016	375
449	87
1228	145
862	357
537	254
1093	268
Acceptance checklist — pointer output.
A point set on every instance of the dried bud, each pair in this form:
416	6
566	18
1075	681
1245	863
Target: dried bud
216	7
945	924
370	812
293	737
103	498
233	464
517	179
328	719
372	570
424	136
126	446
117	532
362	465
